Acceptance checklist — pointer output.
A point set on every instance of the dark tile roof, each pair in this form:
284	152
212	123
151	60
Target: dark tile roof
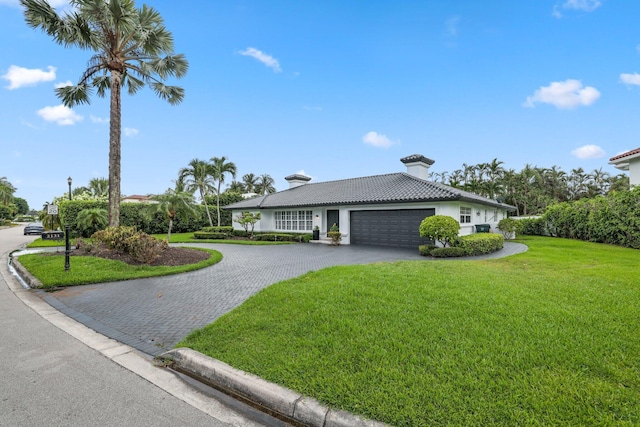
377	189
627	154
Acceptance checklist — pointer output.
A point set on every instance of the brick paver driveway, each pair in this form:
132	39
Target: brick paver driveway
154	314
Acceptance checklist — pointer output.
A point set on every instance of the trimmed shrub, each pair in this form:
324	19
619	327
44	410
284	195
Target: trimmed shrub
239	233
210	235
128	240
532	227
425	250
449	252
481	243
440	228
509	228
283	237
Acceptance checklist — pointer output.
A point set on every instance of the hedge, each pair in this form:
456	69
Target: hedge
481	243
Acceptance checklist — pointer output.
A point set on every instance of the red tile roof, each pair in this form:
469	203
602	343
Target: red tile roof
627	154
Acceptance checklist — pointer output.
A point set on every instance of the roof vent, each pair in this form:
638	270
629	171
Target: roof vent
297	180
417	165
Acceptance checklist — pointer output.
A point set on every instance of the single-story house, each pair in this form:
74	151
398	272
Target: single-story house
135	198
381	210
629	161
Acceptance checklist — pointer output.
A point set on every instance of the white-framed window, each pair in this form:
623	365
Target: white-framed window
294	220
465	215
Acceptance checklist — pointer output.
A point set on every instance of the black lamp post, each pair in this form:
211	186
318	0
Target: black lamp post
67	250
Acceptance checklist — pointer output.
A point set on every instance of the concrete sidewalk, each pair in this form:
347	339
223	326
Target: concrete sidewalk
59	372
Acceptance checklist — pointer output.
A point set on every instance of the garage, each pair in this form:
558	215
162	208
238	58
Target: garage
393	228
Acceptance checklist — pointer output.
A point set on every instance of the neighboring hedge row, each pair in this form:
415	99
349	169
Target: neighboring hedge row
283	237
481	243
471	245
612	219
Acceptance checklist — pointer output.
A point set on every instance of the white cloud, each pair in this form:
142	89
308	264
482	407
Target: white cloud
266	59
63	84
378	140
64	116
630	79
100	120
310	108
451	25
583	5
19	77
129	132
588	152
564	95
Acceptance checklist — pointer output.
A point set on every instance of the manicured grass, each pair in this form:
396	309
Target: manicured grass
188	238
547	337
49	269
175	238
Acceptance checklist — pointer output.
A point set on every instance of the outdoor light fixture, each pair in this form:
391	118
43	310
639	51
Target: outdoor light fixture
478	213
67	250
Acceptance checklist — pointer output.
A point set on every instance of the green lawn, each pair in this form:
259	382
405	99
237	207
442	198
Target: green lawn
49	269
547	337
175	238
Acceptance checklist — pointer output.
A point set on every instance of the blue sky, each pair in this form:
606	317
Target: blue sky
336	89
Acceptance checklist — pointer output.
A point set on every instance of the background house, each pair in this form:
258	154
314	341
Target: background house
629	161
381	210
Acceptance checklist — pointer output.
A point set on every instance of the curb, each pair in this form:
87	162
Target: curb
271	398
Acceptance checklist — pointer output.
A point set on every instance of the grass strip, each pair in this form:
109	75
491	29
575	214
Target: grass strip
547	337
49	269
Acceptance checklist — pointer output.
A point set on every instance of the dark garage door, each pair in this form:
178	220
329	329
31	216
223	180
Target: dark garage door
399	228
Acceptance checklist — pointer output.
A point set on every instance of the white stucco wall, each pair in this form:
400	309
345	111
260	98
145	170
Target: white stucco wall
480	214
634	171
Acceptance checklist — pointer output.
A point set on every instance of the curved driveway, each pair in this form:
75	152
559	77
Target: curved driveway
154	314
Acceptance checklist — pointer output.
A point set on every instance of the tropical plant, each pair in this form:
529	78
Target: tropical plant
99	187
91	220
248	221
250	182
132	48
174	204
198	176
440	228
265	185
6	191
220	169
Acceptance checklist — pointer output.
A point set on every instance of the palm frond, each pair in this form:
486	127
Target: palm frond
170	65
132	83
74	95
173	94
102	84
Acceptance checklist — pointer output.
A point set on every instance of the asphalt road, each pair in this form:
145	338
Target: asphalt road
50	378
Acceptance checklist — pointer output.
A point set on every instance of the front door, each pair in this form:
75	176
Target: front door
333	217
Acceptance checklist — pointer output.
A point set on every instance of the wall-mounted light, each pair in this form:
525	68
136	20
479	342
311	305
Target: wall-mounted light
478	213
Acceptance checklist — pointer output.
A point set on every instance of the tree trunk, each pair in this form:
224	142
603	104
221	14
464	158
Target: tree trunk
218	204
114	150
206	207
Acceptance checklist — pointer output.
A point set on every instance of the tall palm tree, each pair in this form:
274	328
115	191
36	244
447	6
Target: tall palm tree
6	191
236	187
250	182
99	187
132	48
265	185
174	204
198	176
220	169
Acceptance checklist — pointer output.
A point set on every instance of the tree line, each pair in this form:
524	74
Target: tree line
10	205
533	188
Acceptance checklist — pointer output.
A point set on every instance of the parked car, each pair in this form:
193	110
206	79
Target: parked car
33	228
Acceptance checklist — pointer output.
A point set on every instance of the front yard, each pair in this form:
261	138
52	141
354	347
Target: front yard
548	337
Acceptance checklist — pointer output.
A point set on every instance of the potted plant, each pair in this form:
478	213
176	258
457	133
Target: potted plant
316	233
334	234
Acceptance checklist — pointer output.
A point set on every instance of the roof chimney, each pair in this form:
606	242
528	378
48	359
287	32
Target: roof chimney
417	165
297	180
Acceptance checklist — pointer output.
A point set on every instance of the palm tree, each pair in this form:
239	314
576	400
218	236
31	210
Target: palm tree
174	204
198	176
250	182
6	191
99	187
236	187
129	45
92	220
265	185
221	168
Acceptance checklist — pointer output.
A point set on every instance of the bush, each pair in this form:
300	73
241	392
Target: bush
283	237
449	252
227	229
440	228
334	234
210	235
425	250
480	244
127	240
532	227
509	228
